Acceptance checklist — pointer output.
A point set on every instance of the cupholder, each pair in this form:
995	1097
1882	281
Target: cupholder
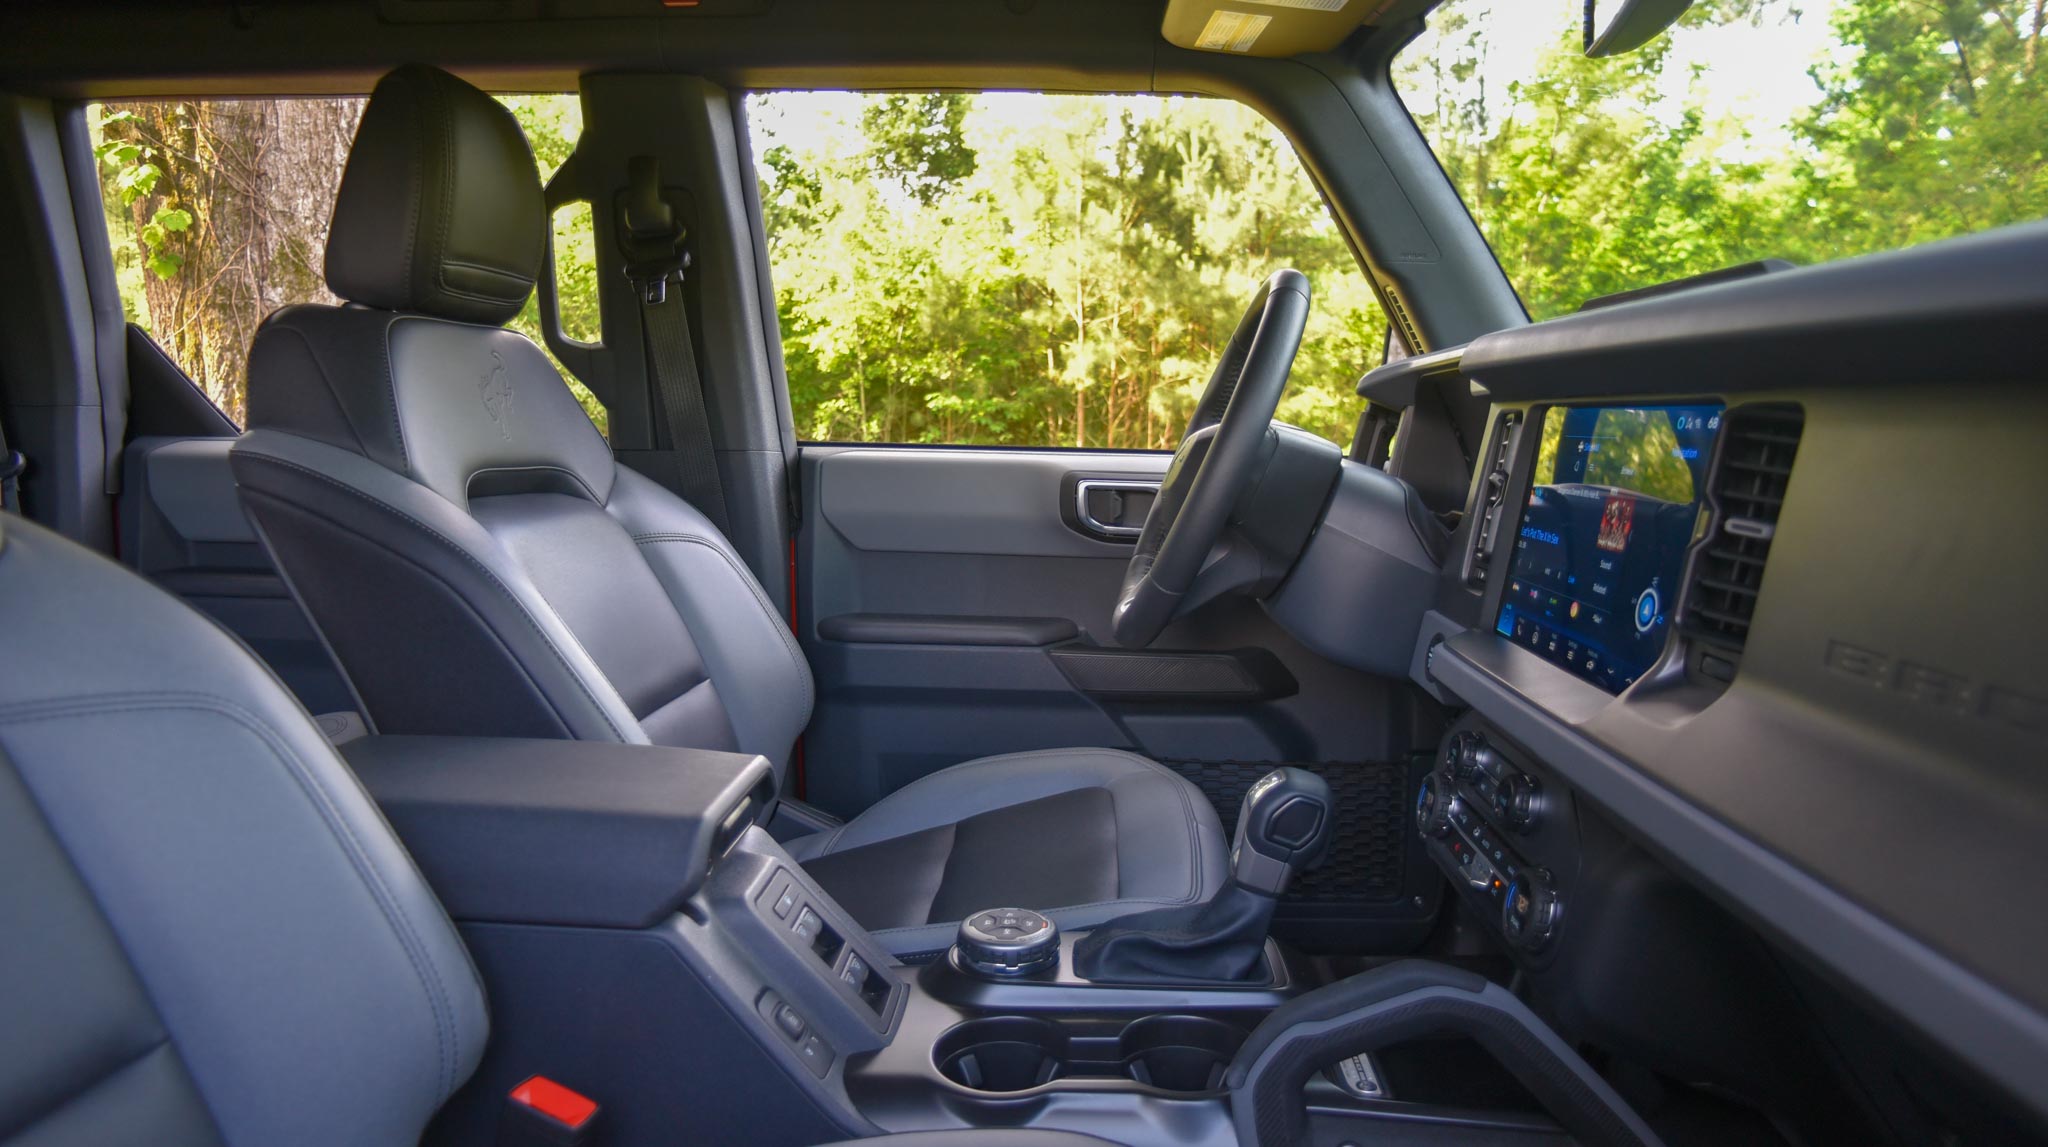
1002	1053
1179	1053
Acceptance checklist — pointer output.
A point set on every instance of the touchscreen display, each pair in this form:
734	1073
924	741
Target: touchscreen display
1602	542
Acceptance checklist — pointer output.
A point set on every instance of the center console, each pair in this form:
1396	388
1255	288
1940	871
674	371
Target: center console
645	941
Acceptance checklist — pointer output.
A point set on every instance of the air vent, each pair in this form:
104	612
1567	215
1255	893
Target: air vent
1747	489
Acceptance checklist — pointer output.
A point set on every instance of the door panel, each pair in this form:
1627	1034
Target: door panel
983	502
902	535
990	534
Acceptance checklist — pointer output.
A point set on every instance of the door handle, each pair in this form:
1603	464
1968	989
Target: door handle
1118	487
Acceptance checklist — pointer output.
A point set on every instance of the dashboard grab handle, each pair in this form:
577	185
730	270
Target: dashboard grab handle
1406	1000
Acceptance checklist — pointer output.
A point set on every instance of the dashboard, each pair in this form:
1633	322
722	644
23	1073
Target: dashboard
1739	628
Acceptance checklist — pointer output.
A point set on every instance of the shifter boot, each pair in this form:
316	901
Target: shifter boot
1222	940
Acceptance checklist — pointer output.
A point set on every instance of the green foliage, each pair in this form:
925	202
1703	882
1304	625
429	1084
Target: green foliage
553	123
1039	270
1932	126
135	178
917	141
1596	176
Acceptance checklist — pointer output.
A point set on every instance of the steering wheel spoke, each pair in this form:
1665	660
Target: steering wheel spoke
1220	456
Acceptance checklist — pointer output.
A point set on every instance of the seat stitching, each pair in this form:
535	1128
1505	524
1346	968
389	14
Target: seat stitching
546	642
760	598
448	1036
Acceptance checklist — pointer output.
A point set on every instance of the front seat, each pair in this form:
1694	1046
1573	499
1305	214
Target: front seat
210	935
462	539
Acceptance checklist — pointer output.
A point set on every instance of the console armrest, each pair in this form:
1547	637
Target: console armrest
561	832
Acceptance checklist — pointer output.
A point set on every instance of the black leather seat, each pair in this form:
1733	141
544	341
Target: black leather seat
208	935
464	542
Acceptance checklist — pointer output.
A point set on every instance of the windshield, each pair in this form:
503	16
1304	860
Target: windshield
1805	130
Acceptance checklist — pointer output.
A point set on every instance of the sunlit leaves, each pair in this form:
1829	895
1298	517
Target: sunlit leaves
1593	177
1039	270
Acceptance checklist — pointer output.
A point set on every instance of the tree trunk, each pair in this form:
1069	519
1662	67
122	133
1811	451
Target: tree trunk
259	179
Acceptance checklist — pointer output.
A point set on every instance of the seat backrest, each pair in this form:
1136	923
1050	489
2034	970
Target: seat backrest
446	513
208	934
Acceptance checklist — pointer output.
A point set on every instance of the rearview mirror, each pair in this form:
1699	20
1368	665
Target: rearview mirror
1629	24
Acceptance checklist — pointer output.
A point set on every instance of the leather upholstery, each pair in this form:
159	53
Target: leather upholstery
440	206
210	934
465	544
1086	835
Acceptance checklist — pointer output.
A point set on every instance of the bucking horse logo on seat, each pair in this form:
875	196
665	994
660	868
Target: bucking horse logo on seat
496	388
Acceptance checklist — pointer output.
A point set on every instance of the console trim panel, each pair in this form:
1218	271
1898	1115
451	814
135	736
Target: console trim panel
1998	1034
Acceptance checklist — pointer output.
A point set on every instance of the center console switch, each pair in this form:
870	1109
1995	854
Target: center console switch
1008	942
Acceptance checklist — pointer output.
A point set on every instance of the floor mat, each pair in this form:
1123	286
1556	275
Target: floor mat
1369	846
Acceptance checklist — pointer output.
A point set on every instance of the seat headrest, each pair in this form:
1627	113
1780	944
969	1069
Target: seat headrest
440	207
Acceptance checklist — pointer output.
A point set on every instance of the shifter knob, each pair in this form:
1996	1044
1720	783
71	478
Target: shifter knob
1283	828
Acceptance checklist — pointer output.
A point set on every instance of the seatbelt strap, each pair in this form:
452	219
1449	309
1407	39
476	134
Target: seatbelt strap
652	238
680	394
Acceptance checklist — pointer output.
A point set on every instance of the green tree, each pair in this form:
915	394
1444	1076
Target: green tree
553	123
1594	176
1933	126
1064	273
1582	177
917	141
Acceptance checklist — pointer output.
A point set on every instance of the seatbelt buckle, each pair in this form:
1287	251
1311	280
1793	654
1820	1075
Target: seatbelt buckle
543	1113
12	465
649	233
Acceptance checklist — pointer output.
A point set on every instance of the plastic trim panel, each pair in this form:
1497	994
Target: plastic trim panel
1991	1030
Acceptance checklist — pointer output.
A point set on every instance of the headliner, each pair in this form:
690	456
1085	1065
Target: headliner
125	48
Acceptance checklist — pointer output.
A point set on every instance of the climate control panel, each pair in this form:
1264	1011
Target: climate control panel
1491	825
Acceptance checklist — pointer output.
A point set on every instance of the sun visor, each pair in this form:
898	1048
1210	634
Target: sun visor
1271	27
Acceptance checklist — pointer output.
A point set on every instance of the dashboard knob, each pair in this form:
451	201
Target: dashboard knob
1432	808
1454	751
1473	753
1532	911
1521	802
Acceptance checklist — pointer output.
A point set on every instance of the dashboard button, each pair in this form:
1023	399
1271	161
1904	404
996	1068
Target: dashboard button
1647	610
816	1056
808	925
792	1024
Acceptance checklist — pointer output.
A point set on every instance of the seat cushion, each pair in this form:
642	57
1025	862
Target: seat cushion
1084	835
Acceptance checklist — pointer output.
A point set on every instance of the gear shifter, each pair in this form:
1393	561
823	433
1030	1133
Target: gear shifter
1283	827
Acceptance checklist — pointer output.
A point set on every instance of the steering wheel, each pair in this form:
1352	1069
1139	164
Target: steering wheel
1218	458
